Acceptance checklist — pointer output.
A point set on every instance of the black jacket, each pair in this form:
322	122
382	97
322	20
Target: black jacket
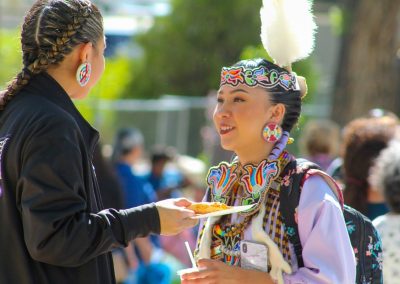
52	226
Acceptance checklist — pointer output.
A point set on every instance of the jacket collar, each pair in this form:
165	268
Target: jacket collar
47	87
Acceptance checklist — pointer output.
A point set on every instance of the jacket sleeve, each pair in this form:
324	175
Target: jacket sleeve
327	252
59	228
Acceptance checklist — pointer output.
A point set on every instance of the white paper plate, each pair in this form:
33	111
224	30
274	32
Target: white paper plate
234	209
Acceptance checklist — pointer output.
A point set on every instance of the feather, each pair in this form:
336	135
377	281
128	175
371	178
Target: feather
287	30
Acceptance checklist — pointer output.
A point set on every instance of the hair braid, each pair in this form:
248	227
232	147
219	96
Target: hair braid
51	30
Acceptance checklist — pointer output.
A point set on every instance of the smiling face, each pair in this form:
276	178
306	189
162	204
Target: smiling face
240	115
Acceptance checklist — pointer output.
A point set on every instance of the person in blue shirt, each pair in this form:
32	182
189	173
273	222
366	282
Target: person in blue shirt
128	149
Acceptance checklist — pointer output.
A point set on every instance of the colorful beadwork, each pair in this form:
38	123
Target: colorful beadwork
226	244
255	180
83	74
272	132
261	76
220	180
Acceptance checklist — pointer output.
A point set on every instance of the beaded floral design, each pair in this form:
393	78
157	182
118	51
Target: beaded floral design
261	76
256	180
220	180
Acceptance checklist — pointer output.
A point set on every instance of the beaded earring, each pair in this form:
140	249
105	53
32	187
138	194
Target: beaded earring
272	132
83	73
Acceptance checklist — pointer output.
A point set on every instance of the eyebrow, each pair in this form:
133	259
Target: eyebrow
235	91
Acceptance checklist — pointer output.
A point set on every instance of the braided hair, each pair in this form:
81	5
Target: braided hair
51	29
291	99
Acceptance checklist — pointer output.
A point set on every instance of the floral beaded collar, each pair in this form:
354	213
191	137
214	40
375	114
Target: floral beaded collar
254	179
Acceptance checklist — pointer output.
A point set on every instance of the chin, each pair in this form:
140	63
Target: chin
227	146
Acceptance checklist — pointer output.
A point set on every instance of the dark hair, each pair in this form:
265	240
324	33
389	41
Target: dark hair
385	175
126	140
162	153
51	29
363	140
291	99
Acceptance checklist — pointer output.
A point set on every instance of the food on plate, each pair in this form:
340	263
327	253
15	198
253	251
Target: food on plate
208	207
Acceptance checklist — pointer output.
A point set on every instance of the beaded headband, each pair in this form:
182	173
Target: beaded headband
270	78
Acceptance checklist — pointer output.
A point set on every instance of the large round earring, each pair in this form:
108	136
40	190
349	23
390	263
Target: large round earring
272	132
83	73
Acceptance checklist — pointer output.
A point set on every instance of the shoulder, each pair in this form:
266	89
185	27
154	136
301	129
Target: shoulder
316	191
387	222
380	221
39	113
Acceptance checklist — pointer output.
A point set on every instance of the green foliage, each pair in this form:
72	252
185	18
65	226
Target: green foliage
111	86
10	54
184	51
337	19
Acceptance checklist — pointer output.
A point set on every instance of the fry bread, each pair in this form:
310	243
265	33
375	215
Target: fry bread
208	207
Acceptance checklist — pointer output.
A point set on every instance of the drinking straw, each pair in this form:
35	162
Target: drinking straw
190	255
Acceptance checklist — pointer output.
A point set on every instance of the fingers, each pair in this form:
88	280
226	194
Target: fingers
182	202
188	222
207	263
200	276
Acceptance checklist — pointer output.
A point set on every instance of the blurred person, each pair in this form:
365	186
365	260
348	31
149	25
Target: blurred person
165	181
56	228
128	150
385	177
363	139
257	105
319	142
112	197
169	182
335	169
110	187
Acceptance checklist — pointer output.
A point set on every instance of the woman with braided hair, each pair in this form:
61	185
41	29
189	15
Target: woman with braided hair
257	105
53	225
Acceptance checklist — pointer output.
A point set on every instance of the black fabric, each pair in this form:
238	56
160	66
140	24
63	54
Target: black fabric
53	226
364	237
289	200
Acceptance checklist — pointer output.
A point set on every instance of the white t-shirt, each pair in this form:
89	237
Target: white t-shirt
388	226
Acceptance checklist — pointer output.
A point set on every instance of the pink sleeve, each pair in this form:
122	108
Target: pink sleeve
327	252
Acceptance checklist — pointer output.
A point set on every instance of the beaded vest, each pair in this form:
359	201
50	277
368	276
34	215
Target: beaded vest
234	184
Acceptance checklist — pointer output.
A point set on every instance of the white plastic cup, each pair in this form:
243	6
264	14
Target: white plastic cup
187	270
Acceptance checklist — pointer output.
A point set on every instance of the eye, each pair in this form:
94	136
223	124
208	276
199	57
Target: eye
220	100
238	100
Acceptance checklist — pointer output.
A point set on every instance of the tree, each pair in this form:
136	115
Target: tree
184	51
368	73
11	60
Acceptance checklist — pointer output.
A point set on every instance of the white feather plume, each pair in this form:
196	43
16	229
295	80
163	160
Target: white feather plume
287	30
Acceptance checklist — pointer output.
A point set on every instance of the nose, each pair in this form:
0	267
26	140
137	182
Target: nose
222	111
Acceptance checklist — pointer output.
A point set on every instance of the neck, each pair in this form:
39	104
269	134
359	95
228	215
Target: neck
68	84
374	196
254	155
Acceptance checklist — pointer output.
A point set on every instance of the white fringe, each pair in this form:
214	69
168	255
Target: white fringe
205	241
278	262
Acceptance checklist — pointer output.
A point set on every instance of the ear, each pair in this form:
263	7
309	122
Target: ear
85	52
278	113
